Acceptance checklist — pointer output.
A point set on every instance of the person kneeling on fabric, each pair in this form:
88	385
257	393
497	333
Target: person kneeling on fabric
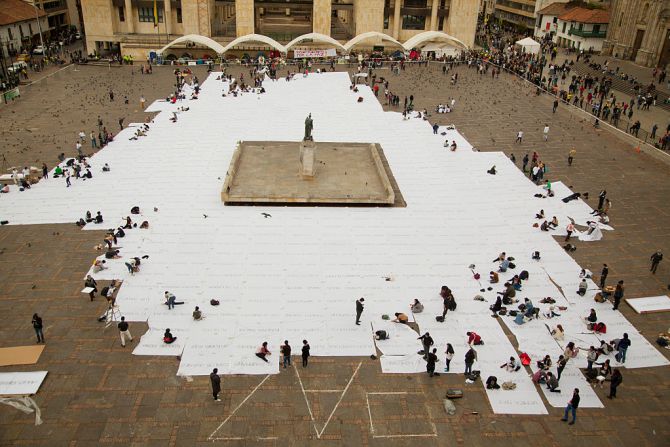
400	318
583	286
511	365
498	305
168	338
416	306
552	383
492	383
197	313
493	277
539	376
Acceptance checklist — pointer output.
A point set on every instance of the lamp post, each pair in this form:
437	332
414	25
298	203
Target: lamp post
39	26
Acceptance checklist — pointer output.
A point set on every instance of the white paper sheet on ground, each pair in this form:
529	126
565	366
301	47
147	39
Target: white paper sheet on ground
403	364
650	304
20	383
152	343
304	267
402	340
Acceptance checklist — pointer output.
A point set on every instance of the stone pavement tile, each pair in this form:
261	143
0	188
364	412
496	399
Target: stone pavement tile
89	431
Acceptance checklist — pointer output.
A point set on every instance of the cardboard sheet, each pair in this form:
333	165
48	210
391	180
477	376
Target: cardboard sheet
20	355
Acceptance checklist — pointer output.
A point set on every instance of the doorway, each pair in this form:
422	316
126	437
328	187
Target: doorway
638	43
665	51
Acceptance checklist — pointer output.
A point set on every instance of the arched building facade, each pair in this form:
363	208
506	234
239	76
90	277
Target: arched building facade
639	30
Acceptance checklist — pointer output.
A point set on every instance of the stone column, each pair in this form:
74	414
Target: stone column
369	16
321	15
462	21
653	39
167	16
130	16
433	15
397	4
244	17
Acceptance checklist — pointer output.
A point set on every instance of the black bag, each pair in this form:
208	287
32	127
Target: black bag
512	265
381	335
502	312
662	341
512	313
104	291
439	319
214	302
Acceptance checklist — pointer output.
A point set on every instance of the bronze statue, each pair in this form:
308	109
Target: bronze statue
309	125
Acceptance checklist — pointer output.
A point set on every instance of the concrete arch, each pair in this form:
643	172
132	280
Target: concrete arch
427	36
368	35
255	38
317	37
196	38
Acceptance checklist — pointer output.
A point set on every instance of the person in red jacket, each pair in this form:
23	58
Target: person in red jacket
474	338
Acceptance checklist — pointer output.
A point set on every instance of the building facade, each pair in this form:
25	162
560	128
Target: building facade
582	29
521	13
640	31
20	25
128	25
60	13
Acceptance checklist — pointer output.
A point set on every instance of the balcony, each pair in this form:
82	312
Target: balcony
583	33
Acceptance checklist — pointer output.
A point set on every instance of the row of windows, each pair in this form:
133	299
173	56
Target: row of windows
11	35
146	14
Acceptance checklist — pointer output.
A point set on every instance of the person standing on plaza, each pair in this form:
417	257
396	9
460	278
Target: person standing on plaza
359	310
431	360
545	132
448	355
603	275
555	106
560	366
142	102
124	331
569	229
427	342
615	381
519	137
470	358
572	407
305	353
656	259
653	131
571	156
45	171
38	325
216	384
94	143
286	353
601	199
622	348
618	294
525	162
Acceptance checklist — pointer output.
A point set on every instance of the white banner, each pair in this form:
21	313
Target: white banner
330	52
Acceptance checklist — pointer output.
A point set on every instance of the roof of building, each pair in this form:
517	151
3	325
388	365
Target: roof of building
584	15
13	11
555	9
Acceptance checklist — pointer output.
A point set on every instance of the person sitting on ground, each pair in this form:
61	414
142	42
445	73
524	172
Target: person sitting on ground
583	286
544	226
540	215
558	333
262	352
112	254
545	363
554	222
98	218
504	265
168	338
129	223
551	313
552	383
497	306
493	277
106	168
492	383
515	282
539	376
416	306
145	225
5	188
99	265
501	257
120	232
58	172
585	273
510	365
400	318
474	339
605	348
592	318
132	266
571	351
88	174
492	171
197	314
528	308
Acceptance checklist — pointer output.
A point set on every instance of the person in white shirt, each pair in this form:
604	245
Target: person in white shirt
546	132
519	136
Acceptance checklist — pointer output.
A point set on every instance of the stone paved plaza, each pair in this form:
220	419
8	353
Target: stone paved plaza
97	393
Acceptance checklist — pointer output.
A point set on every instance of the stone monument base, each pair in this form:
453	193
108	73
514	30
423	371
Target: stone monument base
309	173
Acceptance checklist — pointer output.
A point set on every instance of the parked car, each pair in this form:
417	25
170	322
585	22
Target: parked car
17	67
23	57
39	49
77	35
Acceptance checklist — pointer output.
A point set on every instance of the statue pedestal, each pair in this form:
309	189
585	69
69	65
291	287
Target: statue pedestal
307	162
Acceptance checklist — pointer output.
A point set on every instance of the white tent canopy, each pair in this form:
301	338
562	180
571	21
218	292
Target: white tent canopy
440	49
429	36
195	38
369	35
528	45
317	37
256	38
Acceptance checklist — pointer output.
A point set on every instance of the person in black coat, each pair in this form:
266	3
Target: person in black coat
615	381
656	259
216	384
359	310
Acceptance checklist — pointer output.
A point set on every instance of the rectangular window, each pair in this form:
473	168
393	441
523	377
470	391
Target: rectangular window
178	15
21	31
122	14
9	33
30	28
555	20
146	14
596	29
581	26
414	22
565	24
